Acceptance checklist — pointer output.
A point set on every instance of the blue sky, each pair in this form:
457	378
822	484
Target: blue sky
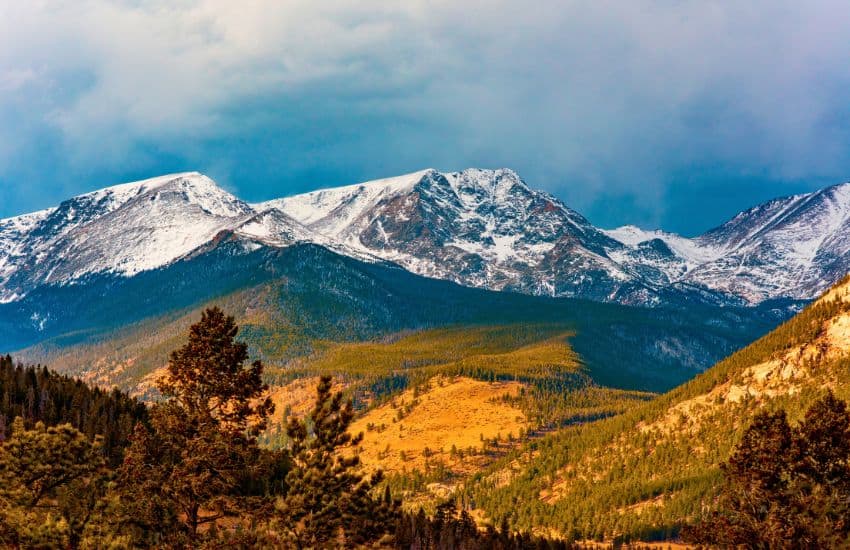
664	113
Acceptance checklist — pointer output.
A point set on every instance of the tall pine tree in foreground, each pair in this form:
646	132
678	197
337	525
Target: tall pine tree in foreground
208	380
199	459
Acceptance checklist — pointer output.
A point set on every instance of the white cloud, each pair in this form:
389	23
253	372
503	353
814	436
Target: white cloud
611	95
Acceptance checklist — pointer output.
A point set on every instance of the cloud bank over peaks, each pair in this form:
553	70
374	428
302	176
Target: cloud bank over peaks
632	112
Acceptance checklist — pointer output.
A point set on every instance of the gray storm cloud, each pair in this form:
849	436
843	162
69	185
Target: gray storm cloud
617	107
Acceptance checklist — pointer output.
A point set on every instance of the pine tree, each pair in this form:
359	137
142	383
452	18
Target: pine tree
821	473
784	487
330	501
51	481
200	453
208	380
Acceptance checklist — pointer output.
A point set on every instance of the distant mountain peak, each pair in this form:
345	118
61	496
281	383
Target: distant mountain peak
122	229
478	227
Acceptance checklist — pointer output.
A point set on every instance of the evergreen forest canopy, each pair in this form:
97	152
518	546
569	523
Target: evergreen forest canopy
84	468
35	394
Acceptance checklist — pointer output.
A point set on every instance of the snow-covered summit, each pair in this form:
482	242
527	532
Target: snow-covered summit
123	192
488	228
477	227
791	247
330	210
123	229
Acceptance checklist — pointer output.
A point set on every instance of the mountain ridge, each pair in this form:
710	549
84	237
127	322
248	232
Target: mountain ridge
299	296
477	227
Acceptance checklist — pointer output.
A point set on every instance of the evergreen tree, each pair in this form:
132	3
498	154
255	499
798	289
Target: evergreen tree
192	467
51	482
821	473
330	502
784	487
207	378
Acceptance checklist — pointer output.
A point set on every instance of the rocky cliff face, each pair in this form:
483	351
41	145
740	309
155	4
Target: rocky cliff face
487	228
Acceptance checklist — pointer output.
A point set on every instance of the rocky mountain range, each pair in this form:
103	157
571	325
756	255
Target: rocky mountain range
479	228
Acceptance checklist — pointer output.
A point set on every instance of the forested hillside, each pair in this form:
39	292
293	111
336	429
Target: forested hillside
193	474
36	394
654	468
569	459
291	301
439	405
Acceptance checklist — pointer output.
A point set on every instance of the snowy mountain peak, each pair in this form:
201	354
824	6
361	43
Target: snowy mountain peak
839	188
493	186
478	227
134	188
331	210
123	229
195	187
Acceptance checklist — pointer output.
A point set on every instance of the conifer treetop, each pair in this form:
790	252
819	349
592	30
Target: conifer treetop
208	377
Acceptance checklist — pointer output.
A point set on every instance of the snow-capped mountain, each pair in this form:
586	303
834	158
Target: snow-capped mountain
487	228
480	228
793	247
483	228
124	230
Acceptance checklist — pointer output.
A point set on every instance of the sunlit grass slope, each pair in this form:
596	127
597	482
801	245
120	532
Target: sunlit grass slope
440	405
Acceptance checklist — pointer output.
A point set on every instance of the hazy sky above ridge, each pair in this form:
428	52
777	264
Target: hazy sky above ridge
664	113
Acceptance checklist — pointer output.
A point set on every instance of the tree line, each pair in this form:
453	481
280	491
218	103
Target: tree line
36	394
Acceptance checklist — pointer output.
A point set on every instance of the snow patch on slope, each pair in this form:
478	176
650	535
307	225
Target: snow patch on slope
482	228
692	252
331	211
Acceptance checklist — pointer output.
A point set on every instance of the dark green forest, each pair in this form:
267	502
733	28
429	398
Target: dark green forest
36	394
